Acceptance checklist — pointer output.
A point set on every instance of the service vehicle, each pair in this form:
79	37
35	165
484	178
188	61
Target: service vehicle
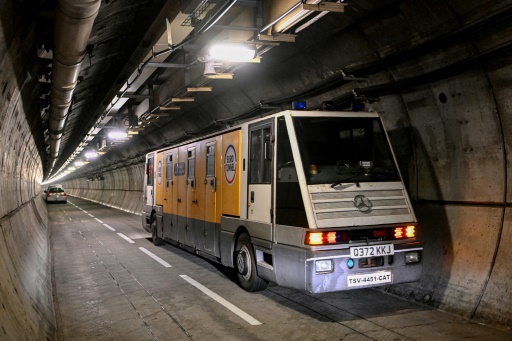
309	200
55	193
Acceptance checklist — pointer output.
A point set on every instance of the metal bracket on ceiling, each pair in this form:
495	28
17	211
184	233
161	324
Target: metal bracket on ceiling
324	6
281	37
353	78
167	65
132	95
186	60
235	28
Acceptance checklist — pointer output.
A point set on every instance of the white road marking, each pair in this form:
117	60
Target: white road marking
126	238
248	318
155	257
109	227
90	215
99	221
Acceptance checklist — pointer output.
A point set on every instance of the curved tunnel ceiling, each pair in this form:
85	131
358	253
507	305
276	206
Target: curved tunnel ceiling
373	52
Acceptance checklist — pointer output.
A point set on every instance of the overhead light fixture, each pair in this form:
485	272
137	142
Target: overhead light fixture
200	89
220	76
91	154
232	52
117	134
209	69
182	99
79	163
172	107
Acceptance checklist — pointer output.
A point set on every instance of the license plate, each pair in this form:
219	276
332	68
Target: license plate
373	278
372	251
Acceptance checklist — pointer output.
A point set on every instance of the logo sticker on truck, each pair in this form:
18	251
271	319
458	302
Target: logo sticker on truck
230	164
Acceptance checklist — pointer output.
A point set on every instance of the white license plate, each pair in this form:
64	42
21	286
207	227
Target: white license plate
372	251
373	278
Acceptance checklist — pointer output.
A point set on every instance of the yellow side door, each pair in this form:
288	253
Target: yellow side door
159	177
180	177
212	162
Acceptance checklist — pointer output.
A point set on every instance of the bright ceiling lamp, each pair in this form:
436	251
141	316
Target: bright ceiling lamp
232	52
91	154
117	134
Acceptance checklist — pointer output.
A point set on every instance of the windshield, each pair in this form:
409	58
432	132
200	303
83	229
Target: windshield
335	150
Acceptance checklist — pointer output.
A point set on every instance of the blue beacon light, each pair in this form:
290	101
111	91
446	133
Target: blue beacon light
299	105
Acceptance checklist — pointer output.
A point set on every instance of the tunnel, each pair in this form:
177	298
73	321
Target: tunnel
438	72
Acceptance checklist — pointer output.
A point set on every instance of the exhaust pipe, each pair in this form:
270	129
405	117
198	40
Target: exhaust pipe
73	25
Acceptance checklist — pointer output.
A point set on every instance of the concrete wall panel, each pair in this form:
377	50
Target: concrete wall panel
500	79
458	141
26	287
121	188
26	311
459	244
497	299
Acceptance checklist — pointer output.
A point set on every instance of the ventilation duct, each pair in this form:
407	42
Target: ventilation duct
73	25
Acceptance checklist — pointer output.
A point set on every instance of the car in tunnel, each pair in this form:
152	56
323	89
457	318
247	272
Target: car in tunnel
56	193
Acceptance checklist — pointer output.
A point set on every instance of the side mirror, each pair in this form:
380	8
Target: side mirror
45	191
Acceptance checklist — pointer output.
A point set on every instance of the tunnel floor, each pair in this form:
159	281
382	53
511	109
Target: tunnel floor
112	283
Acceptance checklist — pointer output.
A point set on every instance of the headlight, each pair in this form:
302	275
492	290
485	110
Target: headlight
324	266
412	257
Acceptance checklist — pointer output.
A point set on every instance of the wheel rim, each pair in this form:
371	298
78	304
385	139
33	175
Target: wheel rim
244	262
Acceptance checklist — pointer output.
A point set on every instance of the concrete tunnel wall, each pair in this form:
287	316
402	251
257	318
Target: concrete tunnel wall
452	141
26	302
120	188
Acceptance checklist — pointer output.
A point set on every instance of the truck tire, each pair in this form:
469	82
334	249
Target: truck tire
157	241
245	265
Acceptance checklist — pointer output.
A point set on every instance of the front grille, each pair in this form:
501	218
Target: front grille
352	194
357	213
340	204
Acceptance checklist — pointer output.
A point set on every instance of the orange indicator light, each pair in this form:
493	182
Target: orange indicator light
399	233
409	232
314	238
331	237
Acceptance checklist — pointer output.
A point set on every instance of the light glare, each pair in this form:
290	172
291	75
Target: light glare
91	155
232	52
117	134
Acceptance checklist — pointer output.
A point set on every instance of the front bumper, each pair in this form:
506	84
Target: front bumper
295	268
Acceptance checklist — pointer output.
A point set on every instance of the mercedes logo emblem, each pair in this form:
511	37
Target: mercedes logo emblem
362	203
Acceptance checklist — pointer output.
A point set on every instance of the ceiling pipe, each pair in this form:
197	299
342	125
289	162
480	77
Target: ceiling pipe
73	24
